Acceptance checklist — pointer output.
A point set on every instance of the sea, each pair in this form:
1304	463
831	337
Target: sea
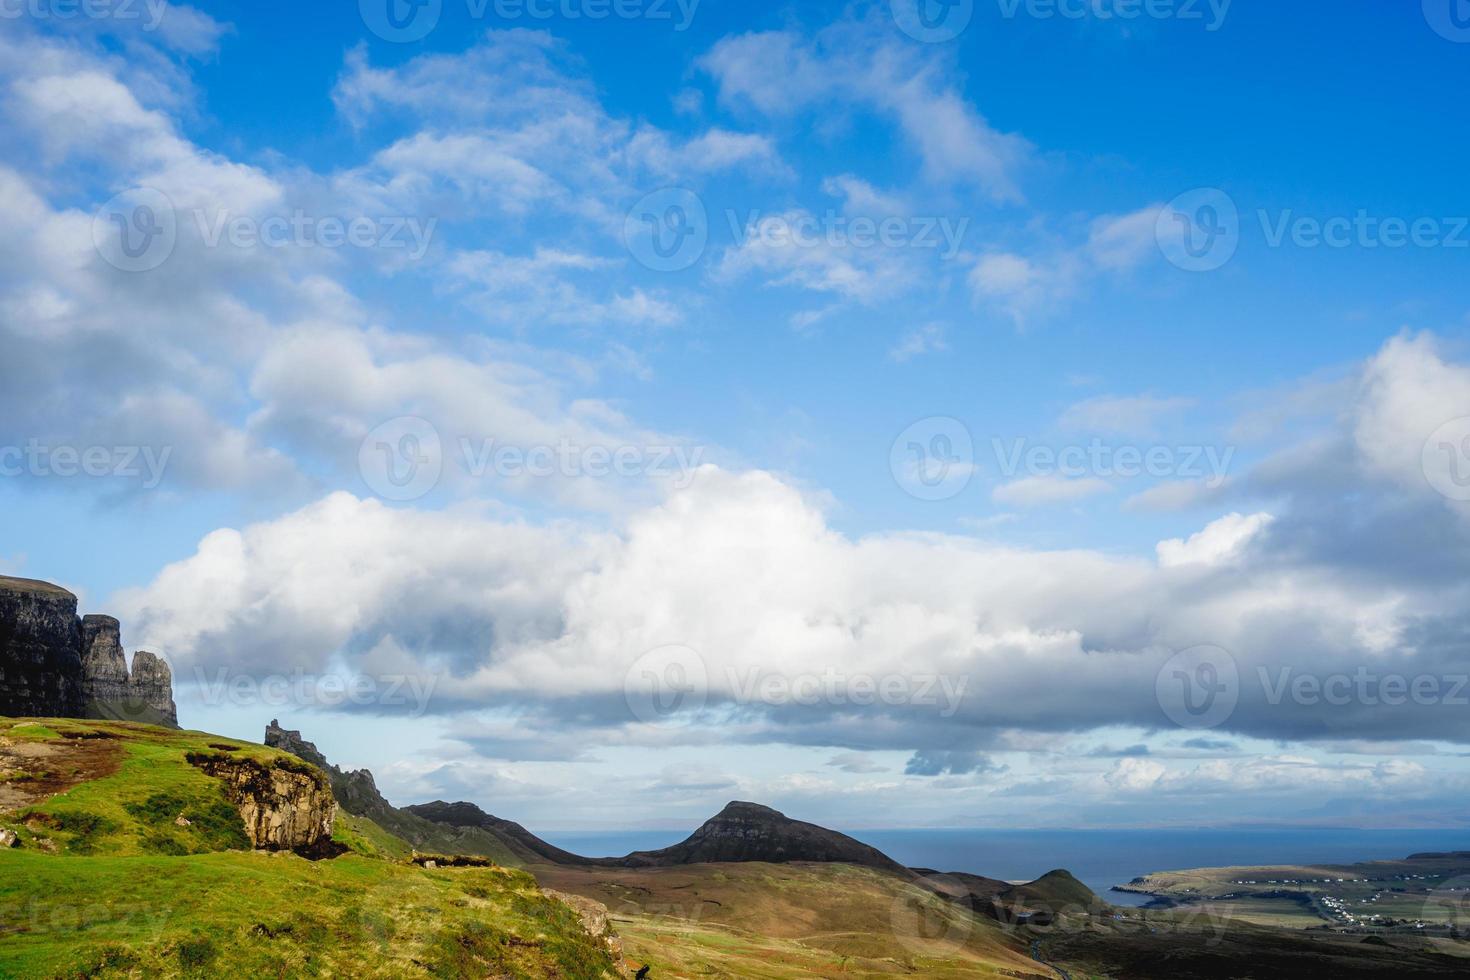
1099	858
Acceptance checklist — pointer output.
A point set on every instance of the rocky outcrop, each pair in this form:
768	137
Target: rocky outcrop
40	650
595	918
54	665
151	688
291	741
104	668
286	806
477	833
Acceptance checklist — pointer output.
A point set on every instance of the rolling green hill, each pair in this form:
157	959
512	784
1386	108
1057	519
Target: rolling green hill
131	861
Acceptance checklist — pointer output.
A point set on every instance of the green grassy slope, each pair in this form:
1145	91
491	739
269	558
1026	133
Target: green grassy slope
786	921
108	883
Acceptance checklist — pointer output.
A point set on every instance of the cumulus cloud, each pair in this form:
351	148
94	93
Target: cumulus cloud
859	64
1221	541
790	621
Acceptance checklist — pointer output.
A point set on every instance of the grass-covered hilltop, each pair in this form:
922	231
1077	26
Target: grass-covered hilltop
127	858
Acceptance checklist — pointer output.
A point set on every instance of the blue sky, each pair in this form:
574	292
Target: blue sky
842	454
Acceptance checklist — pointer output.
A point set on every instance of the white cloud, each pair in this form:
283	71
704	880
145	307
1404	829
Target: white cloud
783	248
1136	775
860	64
1408	393
1027	286
928	339
1220	542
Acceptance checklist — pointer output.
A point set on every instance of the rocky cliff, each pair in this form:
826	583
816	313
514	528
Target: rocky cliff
475	833
104	667
151	687
287	806
40	650
54	665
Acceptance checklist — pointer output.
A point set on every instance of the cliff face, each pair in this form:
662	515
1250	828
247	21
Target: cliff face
104	668
54	665
358	795
286	807
40	650
151	688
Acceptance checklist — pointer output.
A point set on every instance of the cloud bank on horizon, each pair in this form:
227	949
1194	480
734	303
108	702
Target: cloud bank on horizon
820	421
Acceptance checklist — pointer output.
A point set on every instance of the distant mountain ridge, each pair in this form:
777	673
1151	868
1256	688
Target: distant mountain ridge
741	832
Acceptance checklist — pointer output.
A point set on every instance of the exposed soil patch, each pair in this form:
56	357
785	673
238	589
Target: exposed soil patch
32	772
